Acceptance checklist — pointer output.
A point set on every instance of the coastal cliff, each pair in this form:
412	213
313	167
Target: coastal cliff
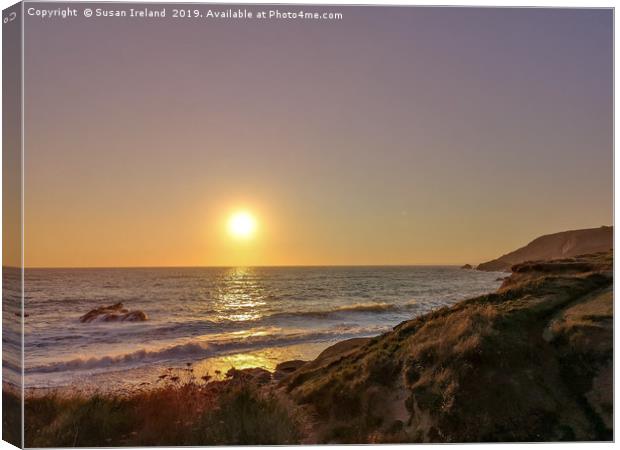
553	246
531	362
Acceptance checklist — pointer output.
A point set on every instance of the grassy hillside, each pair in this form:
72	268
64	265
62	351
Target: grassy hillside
555	246
531	362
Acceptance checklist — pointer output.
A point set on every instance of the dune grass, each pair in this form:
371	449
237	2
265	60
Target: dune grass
189	413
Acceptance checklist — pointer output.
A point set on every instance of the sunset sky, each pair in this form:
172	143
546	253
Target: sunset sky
393	136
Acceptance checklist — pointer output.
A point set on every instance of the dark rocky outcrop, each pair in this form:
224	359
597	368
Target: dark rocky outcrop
554	246
467	267
286	368
254	375
113	313
531	362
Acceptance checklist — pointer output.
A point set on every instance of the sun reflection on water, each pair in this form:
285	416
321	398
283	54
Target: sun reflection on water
240	296
265	358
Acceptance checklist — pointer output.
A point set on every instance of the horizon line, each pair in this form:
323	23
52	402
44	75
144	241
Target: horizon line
236	266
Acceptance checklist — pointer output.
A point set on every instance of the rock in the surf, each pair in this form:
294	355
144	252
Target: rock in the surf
113	313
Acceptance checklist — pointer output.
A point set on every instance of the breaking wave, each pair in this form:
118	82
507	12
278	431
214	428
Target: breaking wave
198	350
354	308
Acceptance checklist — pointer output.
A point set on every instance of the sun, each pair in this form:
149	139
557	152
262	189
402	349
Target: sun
242	225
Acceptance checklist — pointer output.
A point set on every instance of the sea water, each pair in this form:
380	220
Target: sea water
230	316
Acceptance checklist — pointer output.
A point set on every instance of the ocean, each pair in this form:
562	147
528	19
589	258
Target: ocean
217	318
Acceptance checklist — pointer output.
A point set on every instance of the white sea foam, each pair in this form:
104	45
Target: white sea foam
202	349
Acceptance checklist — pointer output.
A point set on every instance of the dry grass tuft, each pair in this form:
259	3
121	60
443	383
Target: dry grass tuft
177	413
